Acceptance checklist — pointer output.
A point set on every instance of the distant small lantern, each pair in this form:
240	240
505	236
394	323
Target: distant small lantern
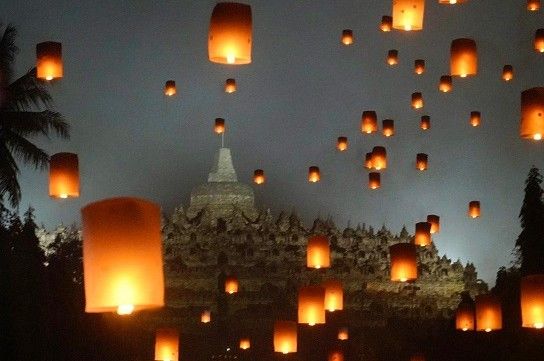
285	337
347	37
374	180
475	118
532	114
368	161
314	174
336	355
230	34
464	317
167	344
451	2
403	262
230	85
311	305
539	40
417	100
422	161
387	23
379	158
170	88
434	220
425	123
488	313
419	66
231	285
258	176
334	295
408	14
206	316
474	209
245	343
463	58
507	73
369	122
417	357
342	143
49	60
318	252
445	85
423	234
64	175
219	126
122	256
343	334
388	127
533	5
532	301
392	57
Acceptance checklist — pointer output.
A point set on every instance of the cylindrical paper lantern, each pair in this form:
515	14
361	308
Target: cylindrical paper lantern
219	126
167	344
507	73
258	176
374	180
369	122
49	60
475	118
408	14
387	23
285	336
392	57
532	113
539	40
230	35
311	305
368	161
474	209
422	161
403	262
419	66
336	355
230	85
379	158
170	88
532	301
122	255
318	252
417	100
206	316
342	143
245	343
347	37
314	174
434	220
64	175
445	85
488	313
423	234
464	317
425	122
533	5
343	334
334	295
231	285
388	127
463	57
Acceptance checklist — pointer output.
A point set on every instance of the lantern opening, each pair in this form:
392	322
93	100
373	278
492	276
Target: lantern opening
123	310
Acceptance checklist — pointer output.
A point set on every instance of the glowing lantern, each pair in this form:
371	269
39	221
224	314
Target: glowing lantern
532	114
388	127
229	39
369	122
285	336
464	317
368	160
318	252
64	175
408	14
425	122
419	66
336	355
374	180
532	301
417	357
539	40
507	73
334	295
463	58
49	60
488	313
311	305
403	262
258	176
314	175
417	100
167	344
342	143
387	23
392	57
533	5
122	256
422	161
434	220
475	118
245	343
343	334
423	234
445	84
474	209
231	285
206	316
379	158
219	126
170	88
347	37
230	85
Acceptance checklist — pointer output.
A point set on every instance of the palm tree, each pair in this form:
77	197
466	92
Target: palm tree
25	112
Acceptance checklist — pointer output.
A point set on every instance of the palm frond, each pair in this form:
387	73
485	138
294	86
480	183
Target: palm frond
27	91
8	177
8	50
35	123
25	150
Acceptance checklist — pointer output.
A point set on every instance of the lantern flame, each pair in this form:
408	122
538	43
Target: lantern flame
231	59
537	136
123	310
49	77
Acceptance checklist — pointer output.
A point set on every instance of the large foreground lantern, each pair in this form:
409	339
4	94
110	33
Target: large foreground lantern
231	285
167	344
122	256
533	5
318	253
532	114
425	123
230	85
387	23
49	60
311	305
403	262
347	37
379	158
507	73
230	37
334	295
342	143
314	175
374	180
474	210
423	234
392	57
170	88
419	66
408	14
434	220
532	301
539	40
475	118
285	336
417	100
445	85
388	127
464	317
488	313
463	58
64	175
422	161
369	122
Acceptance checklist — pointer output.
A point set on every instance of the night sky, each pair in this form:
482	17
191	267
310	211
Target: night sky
302	90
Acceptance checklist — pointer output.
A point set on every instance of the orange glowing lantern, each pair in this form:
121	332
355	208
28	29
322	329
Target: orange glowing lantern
311	305
231	285
417	100
388	127
64	175
336	355
474	209
245	343
403	262
408	14
230	35
539	40
318	252
122	256
314	175
507	73
258	176
285	336
342	143
425	122
343	334
49	60
434	220
532	301
206	316
533	5
387	23
369	122
167	344
417	357
219	126
464	317
230	85
475	118
532	114
392	57
379	158
463	58
488	313
423	234
419	66
445	85
374	180
347	37
368	160
334	295
451	2
422	161
170	88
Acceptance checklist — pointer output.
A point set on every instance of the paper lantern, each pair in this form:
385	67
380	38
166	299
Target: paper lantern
539	40
368	161
285	337
311	305
425	122
49	60
379	158
533	5
474	209
206	316
532	113
532	301
245	343
419	66
369	122
343	334
64	175
230	35
230	85
258	176
392	57
219	126
408	14
423	234
334	295
342	143
122	256
388	127
170	88
434	220
422	161
347	37
336	355
231	285
417	100
451	2
314	175
475	118
463	58
387	23
464	317
488	313
374	180
167	344
507	73
403	262
318	252
445	85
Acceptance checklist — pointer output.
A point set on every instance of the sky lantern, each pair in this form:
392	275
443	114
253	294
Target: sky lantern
392	57
258	176
425	123
219	126
369	122
122	256
343	334
170	88
539	40
230	85
374	180
167	344
474	209
417	100
318	252
285	336
311	305
423	234
379	158
533	5
231	285
336	355
347	37
342	144
245	343
419	66
434	220
403	262
388	127
408	14
387	23
206	316
463	58
532	113
314	175
488	313
475	118
49	60
64	175
422	161
229	40
507	73
445	85
418	357
334	295
368	160
451	2
464	317
532	301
